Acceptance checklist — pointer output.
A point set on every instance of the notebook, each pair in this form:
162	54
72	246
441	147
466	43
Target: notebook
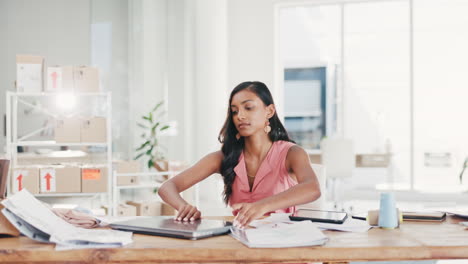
168	226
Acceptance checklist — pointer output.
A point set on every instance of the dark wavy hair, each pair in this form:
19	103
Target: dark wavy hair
232	147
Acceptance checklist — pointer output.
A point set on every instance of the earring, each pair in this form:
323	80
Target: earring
267	128
238	136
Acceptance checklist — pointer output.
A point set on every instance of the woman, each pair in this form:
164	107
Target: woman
263	170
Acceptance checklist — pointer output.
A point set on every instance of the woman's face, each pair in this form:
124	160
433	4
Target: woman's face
249	113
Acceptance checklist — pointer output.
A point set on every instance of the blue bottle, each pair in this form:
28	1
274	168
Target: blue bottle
387	214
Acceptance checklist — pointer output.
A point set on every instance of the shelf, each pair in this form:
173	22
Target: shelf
14	99
55	94
140	186
66	194
156	173
53	143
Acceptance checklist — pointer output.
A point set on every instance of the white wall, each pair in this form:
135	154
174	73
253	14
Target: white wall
147	61
178	52
251	42
210	71
109	52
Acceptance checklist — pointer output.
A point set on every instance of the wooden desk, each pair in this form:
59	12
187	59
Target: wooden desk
412	241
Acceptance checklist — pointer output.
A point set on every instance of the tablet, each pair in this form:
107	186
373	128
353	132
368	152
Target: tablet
333	217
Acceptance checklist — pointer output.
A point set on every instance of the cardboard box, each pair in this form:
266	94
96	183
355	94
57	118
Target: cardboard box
167	209
60	180
147	208
132	166
94	130
126	210
127	166
94	179
86	79
29	73
127	180
372	160
25	178
68	130
60	79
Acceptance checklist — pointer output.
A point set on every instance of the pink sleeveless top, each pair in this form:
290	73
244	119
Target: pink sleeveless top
272	178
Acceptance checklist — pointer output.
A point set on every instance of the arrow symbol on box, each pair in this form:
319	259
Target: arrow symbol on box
54	79
20	182
48	177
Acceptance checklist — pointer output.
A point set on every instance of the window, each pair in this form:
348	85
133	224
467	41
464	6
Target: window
305	105
397	85
310	52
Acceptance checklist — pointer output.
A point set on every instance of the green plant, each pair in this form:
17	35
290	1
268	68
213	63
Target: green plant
152	128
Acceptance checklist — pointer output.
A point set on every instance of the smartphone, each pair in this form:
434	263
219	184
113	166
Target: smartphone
333	217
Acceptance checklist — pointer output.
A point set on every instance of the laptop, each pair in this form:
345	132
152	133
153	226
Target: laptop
168	226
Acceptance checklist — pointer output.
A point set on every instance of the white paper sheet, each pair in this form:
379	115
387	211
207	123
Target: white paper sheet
350	225
297	234
34	220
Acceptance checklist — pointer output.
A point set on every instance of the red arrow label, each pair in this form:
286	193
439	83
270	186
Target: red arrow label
20	182
48	177
54	80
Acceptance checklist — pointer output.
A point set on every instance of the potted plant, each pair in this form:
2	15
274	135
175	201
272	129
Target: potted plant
150	147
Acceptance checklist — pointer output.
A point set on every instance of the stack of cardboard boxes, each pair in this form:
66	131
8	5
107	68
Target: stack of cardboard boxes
60	179
127	167
141	208
74	178
76	79
70	178
75	130
133	208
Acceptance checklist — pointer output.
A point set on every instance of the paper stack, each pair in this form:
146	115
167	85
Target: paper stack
280	235
36	221
350	225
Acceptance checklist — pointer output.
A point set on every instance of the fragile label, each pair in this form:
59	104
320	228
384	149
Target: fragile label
19	177
54	78
29	77
91	174
48	180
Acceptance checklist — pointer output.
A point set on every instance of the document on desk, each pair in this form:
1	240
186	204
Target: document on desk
459	213
350	225
33	219
297	234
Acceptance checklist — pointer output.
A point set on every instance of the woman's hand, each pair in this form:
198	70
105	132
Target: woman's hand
188	212
247	212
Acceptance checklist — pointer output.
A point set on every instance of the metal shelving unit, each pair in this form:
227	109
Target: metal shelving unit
13	99
144	185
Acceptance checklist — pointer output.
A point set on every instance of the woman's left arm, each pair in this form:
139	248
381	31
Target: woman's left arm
307	190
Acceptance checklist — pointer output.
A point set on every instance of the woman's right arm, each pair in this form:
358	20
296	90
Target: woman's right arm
171	189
